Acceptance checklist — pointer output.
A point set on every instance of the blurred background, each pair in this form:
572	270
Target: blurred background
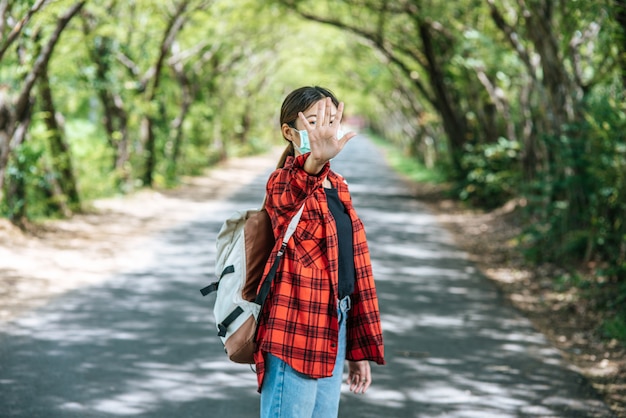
499	100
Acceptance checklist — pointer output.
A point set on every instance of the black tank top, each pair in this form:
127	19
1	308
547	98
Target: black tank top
344	238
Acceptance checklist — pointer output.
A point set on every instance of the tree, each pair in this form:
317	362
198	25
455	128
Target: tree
151	81
16	108
411	36
619	11
63	179
103	50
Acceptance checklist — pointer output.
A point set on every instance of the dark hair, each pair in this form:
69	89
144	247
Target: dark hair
297	101
300	100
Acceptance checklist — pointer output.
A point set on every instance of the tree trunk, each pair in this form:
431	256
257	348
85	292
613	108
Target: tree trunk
245	123
500	103
529	158
454	124
18	26
149	138
15	112
61	160
7	128
149	141
16	193
14	184
176	132
114	113
620	18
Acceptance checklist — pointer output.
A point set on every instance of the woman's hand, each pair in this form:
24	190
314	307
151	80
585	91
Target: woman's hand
323	135
359	376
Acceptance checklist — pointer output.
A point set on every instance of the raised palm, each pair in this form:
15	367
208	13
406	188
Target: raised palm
323	134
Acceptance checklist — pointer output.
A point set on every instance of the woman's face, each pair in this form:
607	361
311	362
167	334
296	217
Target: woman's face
310	114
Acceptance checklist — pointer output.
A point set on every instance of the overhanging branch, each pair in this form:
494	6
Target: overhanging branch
42	60
379	44
17	29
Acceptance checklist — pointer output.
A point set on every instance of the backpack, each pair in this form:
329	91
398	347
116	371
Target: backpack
244	244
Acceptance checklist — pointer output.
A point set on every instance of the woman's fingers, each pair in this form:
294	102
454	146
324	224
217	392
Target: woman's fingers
339	114
360	376
320	116
324	116
323	139
328	107
359	385
304	121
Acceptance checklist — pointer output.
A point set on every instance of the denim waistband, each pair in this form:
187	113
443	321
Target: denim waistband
344	304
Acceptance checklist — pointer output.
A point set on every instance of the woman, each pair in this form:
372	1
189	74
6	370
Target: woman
322	308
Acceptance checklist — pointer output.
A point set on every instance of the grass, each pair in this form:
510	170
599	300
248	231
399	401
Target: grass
409	166
615	328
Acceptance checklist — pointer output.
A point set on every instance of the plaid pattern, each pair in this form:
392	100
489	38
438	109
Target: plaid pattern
298	323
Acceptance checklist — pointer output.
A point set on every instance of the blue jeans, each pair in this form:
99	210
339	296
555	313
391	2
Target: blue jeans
288	394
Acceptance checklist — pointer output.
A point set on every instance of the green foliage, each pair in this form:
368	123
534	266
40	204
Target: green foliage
579	214
231	64
92	159
407	165
27	169
493	173
615	328
11	207
567	281
608	296
613	299
607	168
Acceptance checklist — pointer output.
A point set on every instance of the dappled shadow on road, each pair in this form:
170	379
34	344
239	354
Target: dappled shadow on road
454	346
143	343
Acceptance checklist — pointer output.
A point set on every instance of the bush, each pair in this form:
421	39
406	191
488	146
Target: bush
28	185
615	328
493	173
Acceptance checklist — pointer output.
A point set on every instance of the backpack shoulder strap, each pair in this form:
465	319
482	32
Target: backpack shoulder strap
265	287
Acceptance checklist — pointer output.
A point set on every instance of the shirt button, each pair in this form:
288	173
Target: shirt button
333	345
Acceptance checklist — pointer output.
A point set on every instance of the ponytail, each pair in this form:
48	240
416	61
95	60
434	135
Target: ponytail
288	152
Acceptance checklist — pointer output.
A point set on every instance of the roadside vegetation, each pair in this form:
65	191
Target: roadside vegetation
563	302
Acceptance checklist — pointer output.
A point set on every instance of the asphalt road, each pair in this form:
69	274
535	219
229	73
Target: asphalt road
142	344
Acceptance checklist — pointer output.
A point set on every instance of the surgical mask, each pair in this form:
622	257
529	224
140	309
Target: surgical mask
305	144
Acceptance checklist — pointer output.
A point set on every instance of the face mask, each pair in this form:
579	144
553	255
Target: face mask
305	145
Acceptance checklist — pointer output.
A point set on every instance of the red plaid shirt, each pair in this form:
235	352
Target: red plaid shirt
298	323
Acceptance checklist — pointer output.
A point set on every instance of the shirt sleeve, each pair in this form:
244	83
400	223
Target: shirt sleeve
288	187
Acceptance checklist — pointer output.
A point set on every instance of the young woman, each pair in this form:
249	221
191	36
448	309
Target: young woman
322	308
